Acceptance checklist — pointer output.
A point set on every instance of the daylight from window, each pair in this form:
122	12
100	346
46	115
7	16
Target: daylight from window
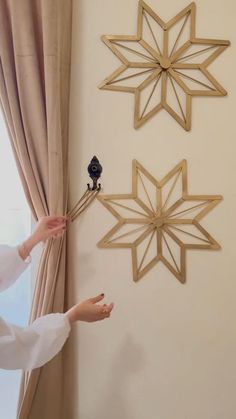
15	225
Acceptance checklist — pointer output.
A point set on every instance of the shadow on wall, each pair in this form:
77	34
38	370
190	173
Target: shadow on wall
128	362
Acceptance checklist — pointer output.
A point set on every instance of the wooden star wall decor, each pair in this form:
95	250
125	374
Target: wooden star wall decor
164	65
159	221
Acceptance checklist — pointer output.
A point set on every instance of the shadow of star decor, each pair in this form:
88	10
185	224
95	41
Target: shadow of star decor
164	65
159	221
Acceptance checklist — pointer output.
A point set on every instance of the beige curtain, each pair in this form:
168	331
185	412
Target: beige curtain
35	42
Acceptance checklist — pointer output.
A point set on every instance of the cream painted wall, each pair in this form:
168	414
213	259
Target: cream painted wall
169	350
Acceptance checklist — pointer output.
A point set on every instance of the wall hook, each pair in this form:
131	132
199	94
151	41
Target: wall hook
94	170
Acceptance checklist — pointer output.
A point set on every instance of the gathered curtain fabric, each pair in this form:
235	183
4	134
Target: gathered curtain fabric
35	49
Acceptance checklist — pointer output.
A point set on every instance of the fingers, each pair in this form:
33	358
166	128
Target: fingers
106	310
54	221
58	229
94	311
59	235
56	218
53	224
96	299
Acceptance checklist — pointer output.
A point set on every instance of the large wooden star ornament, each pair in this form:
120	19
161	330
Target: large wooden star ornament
159	221
164	65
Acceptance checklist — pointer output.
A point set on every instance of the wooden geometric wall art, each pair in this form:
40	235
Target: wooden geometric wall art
164	65
159	221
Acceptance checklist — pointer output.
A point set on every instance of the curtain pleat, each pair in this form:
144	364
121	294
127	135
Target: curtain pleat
35	47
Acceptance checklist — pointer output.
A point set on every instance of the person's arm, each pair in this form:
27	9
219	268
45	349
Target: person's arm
33	346
11	266
14	260
46	228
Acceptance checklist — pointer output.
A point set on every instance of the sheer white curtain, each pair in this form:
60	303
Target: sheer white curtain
15	225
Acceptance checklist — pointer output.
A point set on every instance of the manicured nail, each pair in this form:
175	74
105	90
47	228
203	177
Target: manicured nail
102	295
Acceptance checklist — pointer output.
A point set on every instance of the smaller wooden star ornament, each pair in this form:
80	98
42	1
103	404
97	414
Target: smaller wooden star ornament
159	221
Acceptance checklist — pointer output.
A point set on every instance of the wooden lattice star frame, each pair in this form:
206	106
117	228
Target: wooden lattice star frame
168	223
164	68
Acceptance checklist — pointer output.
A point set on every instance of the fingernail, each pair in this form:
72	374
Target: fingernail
102	295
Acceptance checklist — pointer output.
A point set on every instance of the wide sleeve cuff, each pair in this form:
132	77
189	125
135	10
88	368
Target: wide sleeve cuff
35	345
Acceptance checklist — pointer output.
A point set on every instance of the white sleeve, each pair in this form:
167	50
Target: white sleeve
32	346
11	266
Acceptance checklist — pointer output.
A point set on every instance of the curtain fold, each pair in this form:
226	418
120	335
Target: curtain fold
35	48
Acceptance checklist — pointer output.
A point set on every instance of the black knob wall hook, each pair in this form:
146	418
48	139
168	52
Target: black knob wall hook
94	170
